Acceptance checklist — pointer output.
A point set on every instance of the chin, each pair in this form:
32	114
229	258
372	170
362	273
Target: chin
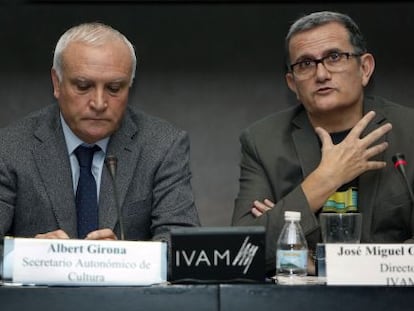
91	138
328	105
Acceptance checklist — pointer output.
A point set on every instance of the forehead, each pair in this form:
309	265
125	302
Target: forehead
316	41
110	59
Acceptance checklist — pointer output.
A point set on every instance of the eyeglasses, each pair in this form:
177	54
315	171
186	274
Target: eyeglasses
333	62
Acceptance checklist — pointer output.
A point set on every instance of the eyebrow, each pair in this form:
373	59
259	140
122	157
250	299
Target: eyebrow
88	80
325	53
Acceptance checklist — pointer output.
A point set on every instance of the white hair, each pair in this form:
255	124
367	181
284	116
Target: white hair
94	34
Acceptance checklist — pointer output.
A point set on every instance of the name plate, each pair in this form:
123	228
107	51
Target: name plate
370	264
84	262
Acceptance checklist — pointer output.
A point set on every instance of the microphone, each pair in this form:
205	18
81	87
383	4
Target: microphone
399	163
111	164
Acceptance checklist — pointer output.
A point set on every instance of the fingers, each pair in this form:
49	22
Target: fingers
364	148
356	132
256	212
354	155
375	150
259	208
367	143
58	234
324	137
101	234
372	137
369	139
361	125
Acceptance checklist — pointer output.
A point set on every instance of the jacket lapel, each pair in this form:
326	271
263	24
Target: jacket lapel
52	162
120	147
306	143
369	181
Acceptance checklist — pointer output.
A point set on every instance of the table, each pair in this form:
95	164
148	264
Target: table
315	297
177	297
218	297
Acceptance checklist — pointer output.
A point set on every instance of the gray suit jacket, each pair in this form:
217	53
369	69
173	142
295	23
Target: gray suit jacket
279	151
153	178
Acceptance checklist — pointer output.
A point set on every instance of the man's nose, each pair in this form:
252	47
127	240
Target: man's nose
98	100
321	72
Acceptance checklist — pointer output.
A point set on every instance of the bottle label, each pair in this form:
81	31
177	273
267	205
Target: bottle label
292	261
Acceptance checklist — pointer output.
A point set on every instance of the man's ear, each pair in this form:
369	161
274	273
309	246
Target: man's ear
290	80
56	83
367	68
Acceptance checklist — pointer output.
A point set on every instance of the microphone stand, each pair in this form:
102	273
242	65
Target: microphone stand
399	162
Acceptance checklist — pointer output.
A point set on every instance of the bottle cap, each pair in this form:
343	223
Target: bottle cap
289	215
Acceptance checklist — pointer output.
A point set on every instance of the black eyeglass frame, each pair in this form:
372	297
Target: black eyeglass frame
321	60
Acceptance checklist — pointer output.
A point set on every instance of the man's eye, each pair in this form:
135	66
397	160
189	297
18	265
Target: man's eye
334	57
83	86
306	63
113	89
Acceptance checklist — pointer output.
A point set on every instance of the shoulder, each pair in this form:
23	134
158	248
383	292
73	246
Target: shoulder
24	128
150	137
392	111
277	123
146	121
152	128
387	106
20	138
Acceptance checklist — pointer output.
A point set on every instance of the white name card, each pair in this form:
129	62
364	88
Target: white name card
84	262
370	264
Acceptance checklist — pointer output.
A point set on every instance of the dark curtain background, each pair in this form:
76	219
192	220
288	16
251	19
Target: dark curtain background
211	68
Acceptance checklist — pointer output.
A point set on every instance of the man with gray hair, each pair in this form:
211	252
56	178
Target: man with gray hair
336	143
53	180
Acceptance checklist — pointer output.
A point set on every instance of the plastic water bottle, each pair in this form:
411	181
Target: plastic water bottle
292	248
